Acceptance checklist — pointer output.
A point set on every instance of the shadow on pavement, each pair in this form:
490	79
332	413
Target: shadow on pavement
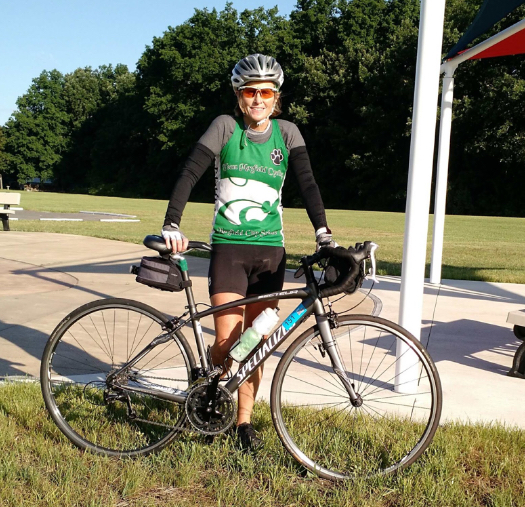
30	341
475	344
455	289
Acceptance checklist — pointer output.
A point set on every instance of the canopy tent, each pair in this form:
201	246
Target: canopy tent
514	44
489	14
508	42
421	157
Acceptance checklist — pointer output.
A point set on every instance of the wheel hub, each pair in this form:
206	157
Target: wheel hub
358	401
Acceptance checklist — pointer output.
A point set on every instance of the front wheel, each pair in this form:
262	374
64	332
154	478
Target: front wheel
102	416
386	429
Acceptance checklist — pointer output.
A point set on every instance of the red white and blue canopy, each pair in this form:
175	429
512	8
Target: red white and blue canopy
489	14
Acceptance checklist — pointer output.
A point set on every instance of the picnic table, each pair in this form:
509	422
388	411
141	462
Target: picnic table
7	199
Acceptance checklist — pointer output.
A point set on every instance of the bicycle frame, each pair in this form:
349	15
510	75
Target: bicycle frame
310	303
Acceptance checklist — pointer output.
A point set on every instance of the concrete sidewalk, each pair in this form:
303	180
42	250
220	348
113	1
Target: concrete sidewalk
45	276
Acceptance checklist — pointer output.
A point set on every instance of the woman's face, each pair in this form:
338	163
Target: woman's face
257	108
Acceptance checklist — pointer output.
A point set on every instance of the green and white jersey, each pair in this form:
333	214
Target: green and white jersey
250	168
248	182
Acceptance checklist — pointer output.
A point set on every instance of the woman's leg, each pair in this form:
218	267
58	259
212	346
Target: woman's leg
248	390
228	328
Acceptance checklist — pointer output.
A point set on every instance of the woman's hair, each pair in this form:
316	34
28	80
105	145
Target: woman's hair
277	110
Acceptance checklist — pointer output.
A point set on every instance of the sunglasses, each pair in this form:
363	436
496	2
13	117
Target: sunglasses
265	93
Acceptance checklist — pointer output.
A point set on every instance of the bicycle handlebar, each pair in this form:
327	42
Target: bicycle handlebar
355	256
157	243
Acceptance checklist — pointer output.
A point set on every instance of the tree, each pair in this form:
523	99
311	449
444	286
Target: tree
3	156
106	125
37	133
184	80
488	130
354	87
349	79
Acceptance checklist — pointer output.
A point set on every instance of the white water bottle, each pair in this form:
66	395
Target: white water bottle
261	326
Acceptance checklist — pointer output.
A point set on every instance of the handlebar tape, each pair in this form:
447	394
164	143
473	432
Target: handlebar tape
353	255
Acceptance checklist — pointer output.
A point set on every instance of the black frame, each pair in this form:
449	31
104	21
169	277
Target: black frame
310	303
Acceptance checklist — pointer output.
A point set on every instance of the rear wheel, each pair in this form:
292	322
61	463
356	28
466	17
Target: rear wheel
97	340
395	418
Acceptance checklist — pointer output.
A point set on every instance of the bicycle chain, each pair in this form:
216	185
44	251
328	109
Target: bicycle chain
161	424
181	429
147	421
164	378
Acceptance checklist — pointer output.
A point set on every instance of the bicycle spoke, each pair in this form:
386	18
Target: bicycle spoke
337	382
385	430
97	341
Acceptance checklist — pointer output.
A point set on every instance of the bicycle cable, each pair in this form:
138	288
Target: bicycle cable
344	294
356	305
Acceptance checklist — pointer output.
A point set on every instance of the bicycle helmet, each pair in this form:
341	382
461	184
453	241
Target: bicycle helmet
257	67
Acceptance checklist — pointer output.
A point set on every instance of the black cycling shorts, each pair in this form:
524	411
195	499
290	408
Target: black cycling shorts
246	269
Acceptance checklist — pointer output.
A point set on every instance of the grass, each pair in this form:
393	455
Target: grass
465	466
489	249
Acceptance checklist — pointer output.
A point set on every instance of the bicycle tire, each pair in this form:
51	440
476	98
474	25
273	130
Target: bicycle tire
324	432
94	340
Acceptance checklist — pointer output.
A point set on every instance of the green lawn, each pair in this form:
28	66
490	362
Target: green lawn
466	465
476	248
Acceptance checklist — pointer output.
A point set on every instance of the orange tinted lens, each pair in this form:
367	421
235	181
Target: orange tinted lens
249	93
267	93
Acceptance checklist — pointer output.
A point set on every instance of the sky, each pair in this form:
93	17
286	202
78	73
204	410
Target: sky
39	35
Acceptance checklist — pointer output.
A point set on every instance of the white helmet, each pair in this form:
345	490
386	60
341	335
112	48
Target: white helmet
257	68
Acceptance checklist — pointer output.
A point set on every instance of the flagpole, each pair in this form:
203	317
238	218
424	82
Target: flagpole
419	182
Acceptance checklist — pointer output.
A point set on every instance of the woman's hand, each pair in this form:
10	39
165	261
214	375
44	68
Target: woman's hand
174	237
323	237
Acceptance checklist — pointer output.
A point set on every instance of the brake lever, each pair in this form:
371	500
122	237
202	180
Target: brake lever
373	266
299	272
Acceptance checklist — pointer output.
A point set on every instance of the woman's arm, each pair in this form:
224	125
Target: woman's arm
299	163
201	157
195	166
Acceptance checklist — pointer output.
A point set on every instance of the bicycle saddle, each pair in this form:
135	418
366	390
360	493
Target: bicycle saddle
157	243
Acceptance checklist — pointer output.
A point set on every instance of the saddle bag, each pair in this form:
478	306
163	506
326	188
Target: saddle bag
160	273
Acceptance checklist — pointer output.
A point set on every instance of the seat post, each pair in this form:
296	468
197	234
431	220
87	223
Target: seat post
197	328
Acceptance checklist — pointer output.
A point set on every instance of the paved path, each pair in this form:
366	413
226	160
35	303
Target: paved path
44	276
83	216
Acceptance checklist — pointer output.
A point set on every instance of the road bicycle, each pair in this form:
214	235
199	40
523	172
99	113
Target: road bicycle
352	396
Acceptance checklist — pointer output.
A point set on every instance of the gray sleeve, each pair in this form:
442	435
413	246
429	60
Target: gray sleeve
218	133
291	135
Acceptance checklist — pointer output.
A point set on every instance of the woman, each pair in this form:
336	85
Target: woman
252	154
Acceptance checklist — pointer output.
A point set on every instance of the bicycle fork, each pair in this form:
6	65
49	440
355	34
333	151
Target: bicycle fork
330	346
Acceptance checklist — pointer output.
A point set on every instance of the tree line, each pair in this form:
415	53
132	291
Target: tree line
349	82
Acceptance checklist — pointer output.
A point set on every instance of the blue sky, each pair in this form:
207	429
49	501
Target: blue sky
42	35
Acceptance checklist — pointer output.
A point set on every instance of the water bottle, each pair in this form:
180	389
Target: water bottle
261	326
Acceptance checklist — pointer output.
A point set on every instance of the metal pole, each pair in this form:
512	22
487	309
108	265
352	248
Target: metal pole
445	125
419	181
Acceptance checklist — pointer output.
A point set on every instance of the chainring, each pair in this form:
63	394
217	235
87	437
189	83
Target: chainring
199	416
